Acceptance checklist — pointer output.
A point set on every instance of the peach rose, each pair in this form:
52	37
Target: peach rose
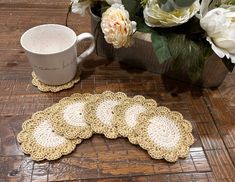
117	27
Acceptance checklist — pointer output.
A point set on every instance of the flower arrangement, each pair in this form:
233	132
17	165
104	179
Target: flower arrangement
183	31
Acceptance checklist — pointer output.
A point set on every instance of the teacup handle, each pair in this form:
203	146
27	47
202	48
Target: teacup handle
87	52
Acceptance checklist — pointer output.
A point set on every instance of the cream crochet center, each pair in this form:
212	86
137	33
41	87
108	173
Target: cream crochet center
46	137
104	111
163	132
74	114
132	114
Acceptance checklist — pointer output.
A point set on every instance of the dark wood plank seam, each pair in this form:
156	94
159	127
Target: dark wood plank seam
211	113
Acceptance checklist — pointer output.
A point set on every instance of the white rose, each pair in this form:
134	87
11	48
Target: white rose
219	24
155	17
117	27
110	2
80	7
207	5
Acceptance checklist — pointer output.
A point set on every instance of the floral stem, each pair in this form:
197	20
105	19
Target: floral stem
67	15
97	33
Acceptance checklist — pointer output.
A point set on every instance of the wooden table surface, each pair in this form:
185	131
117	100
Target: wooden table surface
211	158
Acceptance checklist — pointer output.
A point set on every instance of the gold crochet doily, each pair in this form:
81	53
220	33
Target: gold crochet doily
164	134
54	88
40	141
127	113
99	113
69	120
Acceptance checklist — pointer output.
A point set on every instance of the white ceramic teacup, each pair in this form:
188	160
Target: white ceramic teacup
52	52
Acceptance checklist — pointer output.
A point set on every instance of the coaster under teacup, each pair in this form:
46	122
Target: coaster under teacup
69	120
100	113
127	113
40	141
164	134
54	88
52	52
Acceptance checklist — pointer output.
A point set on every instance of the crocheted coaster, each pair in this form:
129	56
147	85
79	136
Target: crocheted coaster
68	120
99	113
54	88
127	113
40	141
164	134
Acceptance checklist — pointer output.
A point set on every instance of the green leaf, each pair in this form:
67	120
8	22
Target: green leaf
161	48
184	3
98	8
207	51
229	65
159	42
166	5
143	2
132	6
169	5
187	55
232	2
141	26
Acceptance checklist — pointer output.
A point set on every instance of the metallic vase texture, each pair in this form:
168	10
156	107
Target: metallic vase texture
141	55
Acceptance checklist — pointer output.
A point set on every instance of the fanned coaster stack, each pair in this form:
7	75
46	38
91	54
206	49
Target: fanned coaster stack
54	88
57	130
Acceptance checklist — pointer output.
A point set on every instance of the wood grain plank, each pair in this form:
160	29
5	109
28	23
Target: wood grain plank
16	168
211	157
221	164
